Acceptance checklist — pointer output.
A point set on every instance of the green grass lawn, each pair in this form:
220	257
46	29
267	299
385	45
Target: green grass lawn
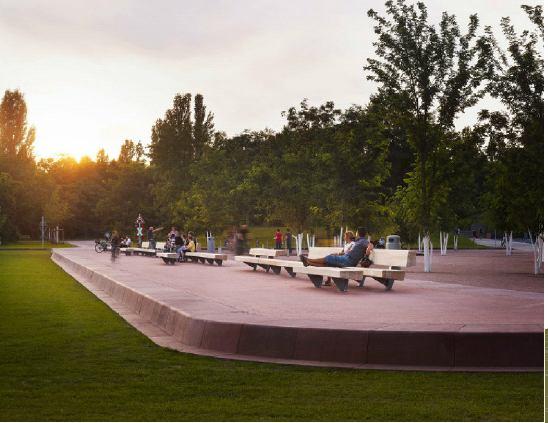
32	245
64	355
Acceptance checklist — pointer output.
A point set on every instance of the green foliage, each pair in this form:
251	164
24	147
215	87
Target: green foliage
427	76
515	137
395	165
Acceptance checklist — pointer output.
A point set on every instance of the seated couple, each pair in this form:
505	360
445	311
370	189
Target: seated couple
353	252
183	243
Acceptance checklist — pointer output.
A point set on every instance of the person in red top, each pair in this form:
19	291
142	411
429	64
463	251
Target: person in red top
278	239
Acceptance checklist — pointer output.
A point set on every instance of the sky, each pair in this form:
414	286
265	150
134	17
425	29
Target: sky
95	73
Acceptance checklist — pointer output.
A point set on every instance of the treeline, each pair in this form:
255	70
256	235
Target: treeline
396	164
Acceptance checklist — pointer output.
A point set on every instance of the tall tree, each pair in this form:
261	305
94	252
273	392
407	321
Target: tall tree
177	142
430	75
515	136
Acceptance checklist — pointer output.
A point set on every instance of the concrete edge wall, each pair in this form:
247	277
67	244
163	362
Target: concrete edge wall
447	350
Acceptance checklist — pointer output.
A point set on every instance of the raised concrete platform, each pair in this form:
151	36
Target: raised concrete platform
233	312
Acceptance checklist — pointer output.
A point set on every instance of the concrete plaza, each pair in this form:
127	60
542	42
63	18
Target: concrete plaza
478	310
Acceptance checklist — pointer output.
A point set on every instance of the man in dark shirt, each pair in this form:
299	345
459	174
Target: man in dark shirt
352	258
288	236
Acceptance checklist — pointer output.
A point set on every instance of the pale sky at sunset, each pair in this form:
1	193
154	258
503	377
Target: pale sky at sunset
97	72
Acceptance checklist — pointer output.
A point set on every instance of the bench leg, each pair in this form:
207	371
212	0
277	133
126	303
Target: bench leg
202	260
388	283
210	261
166	261
128	253
290	271
265	267
276	269
253	265
361	282
194	259
172	261
219	262
342	284
316	280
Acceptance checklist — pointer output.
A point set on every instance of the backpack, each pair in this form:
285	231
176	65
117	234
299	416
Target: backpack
365	262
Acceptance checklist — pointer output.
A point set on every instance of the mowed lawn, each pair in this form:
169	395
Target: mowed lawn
64	355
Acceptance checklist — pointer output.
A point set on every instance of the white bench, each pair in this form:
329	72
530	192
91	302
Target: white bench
139	250
171	258
339	275
168	258
209	257
394	262
270	264
265	258
267	252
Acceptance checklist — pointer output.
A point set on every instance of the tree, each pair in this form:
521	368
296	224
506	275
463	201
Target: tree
515	136
57	209
429	76
130	151
8	229
177	142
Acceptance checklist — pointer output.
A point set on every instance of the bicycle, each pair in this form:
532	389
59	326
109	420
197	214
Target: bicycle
101	245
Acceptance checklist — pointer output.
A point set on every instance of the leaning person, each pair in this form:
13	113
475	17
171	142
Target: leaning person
361	247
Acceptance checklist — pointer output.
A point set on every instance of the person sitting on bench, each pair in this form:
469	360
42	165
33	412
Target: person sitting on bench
361	247
189	246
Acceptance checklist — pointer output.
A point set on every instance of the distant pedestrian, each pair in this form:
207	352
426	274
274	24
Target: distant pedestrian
241	240
278	239
115	245
288	239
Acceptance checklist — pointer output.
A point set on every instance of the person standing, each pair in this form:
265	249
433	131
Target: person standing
150	237
288	239
278	239
115	245
241	240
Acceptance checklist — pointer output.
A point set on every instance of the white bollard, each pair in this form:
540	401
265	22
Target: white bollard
428	249
419	244
538	252
455	242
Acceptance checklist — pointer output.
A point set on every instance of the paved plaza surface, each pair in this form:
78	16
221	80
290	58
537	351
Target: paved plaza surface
469	295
